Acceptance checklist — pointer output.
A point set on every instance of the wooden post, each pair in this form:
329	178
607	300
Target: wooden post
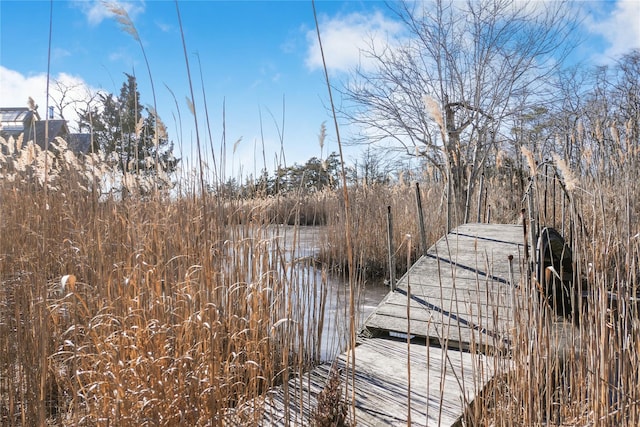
564	198
545	218
523	217
408	334
533	224
553	196
532	214
392	264
423	233
512	284
480	196
449	201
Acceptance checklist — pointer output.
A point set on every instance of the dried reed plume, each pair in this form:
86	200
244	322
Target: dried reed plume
570	181
500	156
322	136
122	16
598	133
433	109
614	134
533	167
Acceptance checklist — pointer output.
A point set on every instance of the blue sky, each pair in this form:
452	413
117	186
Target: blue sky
259	57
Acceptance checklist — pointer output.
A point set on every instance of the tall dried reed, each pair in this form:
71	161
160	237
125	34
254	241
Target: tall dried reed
369	217
156	321
586	371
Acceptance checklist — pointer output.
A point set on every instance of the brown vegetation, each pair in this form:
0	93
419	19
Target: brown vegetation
177	307
162	322
127	311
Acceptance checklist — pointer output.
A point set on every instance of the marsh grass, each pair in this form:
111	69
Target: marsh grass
585	371
161	324
164	323
370	224
182	308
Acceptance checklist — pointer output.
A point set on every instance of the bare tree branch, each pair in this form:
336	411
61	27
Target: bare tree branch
480	60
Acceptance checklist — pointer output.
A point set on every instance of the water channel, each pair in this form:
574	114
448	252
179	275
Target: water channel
304	243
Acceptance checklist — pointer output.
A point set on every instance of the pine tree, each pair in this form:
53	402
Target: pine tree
123	126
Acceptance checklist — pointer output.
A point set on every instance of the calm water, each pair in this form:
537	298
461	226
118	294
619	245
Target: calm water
336	320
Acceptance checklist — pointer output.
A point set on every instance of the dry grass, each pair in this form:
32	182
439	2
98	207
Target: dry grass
331	411
132	311
177	309
370	227
161	323
586	374
369	222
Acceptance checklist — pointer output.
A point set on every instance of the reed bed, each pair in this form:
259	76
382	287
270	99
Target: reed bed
370	221
584	371
129	311
159	307
177	308
369	216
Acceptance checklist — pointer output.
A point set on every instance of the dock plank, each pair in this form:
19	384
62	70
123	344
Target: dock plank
442	385
461	289
461	295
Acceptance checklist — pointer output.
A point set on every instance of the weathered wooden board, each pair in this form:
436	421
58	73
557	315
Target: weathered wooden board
463	289
443	383
460	295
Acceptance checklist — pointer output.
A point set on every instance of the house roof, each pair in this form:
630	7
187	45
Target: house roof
12	120
22	120
37	132
13	114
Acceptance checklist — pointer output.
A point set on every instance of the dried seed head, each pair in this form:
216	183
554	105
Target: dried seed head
500	156
530	160
139	127
433	109
68	283
121	15
570	180
323	135
614	133
598	132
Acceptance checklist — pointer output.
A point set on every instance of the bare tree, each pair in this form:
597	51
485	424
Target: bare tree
610	117
62	95
74	101
571	87
449	89
626	90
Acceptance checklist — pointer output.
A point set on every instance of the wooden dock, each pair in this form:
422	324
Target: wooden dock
460	299
461	292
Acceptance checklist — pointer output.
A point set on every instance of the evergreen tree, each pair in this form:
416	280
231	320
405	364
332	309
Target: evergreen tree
123	126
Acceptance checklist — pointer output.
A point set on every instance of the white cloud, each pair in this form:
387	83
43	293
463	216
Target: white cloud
620	28
97	11
164	27
17	88
345	37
